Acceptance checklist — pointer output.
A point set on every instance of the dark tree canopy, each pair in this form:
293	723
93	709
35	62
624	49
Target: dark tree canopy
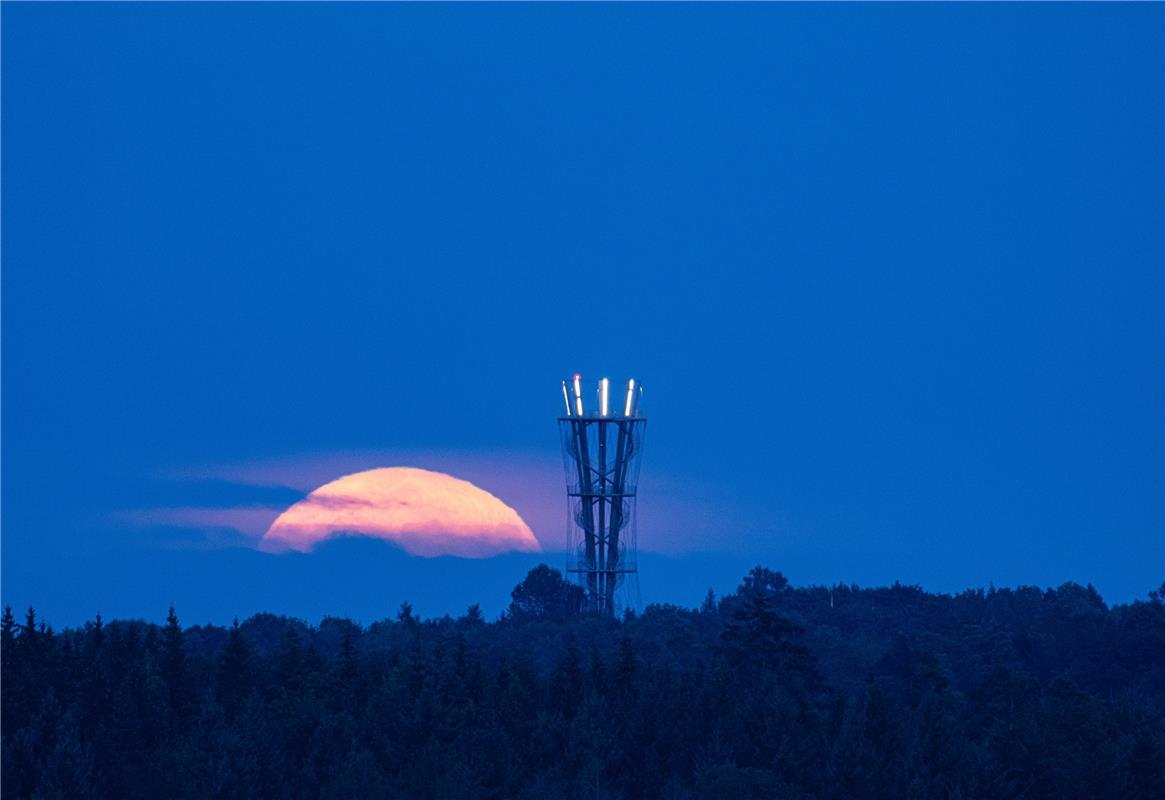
545	594
771	691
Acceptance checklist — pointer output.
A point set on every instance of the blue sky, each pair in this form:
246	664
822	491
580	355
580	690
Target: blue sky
891	274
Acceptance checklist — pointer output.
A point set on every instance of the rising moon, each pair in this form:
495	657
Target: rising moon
425	513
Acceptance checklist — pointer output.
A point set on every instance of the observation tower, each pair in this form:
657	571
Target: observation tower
602	437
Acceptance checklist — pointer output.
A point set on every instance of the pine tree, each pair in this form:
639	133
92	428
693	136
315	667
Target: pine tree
95	680
173	667
7	674
757	635
234	674
29	669
7	640
28	630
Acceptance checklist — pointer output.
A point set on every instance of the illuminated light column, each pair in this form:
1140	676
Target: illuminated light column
601	455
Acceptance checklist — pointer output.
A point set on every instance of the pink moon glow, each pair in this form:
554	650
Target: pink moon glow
425	513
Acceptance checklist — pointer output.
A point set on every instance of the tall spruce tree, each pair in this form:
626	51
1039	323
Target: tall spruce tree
234	673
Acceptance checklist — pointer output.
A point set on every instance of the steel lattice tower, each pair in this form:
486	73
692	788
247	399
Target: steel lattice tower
601	443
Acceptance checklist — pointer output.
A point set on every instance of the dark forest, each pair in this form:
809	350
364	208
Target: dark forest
768	692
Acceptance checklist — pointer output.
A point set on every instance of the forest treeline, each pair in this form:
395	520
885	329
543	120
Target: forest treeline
768	692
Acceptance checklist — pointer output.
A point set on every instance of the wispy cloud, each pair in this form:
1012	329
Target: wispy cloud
676	514
250	521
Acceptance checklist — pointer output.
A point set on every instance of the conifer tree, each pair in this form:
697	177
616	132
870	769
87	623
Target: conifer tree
173	666
28	631
234	672
7	638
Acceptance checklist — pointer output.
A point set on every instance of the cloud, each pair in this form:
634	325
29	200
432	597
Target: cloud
531	484
676	513
251	521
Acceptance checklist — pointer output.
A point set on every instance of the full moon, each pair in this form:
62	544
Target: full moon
425	513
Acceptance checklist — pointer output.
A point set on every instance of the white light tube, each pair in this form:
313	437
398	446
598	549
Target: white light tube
630	395
566	398
578	393
603	391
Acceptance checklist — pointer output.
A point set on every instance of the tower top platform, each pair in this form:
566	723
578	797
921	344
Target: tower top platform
601	398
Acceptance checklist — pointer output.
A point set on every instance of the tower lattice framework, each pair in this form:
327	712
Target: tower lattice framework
602	439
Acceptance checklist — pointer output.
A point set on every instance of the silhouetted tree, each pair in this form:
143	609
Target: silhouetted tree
234	673
173	665
545	594
473	615
7	644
